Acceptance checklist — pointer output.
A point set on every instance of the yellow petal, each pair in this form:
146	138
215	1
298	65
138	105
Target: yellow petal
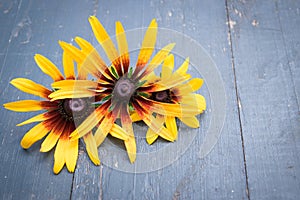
30	87
91	148
26	105
88	124
171	126
135	117
122	45
147	46
201	102
190	121
76	84
73	52
48	67
158	59
103	129
131	148
167	67
71	154
170	83
71	93
92	62
105	41
195	101
151	136
192	86
59	156
68	65
154	124
184	67
118	132
53	137
171	109
37	118
34	134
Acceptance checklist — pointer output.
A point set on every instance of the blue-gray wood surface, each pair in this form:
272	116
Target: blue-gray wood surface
256	47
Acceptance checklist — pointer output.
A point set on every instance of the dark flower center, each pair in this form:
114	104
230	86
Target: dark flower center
162	96
74	109
124	88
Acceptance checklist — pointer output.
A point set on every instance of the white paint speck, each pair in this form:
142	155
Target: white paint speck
231	23
255	23
170	13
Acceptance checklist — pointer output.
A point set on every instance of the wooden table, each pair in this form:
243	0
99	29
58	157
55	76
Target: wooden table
256	48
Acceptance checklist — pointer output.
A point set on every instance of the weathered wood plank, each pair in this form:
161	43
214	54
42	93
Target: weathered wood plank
35	27
267	97
221	174
289	21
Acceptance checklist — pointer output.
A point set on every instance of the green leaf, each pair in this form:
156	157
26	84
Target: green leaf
114	72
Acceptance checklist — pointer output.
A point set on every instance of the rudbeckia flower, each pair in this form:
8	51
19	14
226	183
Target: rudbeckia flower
122	87
174	88
58	122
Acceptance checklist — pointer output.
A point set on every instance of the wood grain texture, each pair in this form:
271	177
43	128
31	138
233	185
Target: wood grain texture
267	98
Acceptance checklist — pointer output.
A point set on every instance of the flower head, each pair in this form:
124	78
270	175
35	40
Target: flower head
58	122
175	88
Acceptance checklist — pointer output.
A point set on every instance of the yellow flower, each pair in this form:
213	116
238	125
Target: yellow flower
174	88
57	123
121	88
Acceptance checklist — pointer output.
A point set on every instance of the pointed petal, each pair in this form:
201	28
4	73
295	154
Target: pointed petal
118	132
75	84
68	65
34	134
201	102
76	55
71	154
126	120
53	136
38	118
104	128
30	87
194	100
192	86
167	67
105	41
91	148
170	83
48	67
92	61
171	109
28	105
122	46
151	136
190	121
158	59
147	47
184	67
171	126
131	148
59	156
71	93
